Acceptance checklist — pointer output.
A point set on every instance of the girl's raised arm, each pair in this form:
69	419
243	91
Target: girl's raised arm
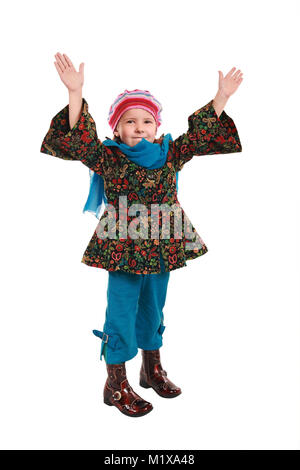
74	82
72	134
211	130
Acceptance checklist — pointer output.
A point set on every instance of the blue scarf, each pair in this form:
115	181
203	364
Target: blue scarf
144	153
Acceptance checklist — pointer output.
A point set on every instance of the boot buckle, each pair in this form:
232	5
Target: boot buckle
117	395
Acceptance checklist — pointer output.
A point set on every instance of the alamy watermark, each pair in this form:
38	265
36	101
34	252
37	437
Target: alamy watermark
138	228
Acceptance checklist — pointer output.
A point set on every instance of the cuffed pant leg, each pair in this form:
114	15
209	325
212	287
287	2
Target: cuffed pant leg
119	342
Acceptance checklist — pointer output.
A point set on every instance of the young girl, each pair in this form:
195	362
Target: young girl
135	172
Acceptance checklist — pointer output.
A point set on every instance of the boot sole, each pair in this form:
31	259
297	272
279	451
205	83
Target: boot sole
143	413
145	385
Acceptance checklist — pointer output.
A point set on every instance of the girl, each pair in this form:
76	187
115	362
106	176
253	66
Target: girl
135	172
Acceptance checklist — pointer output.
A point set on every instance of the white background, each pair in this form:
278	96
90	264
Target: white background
232	316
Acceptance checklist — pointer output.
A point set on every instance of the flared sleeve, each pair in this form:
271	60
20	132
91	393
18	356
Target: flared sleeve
79	143
207	134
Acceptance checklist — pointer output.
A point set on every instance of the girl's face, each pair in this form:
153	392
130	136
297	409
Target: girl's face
135	124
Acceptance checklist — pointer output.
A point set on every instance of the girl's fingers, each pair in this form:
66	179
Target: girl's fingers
59	67
61	61
230	72
68	61
236	74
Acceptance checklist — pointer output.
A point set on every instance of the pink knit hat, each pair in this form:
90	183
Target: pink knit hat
134	99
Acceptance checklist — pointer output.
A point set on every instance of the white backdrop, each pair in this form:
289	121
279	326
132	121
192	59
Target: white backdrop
232	316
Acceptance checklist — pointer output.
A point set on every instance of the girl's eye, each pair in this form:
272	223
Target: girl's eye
130	120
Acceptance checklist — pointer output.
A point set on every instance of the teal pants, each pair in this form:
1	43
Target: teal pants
134	315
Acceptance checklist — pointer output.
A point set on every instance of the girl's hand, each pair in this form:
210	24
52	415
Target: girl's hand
230	83
72	79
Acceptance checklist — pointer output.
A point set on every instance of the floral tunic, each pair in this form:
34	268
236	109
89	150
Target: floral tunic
152	188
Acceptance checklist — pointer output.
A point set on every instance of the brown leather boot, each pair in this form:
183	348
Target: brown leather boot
119	393
153	375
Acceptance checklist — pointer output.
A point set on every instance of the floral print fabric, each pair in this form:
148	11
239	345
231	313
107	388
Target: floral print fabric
127	183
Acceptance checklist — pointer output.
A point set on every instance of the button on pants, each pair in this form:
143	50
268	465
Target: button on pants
134	315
